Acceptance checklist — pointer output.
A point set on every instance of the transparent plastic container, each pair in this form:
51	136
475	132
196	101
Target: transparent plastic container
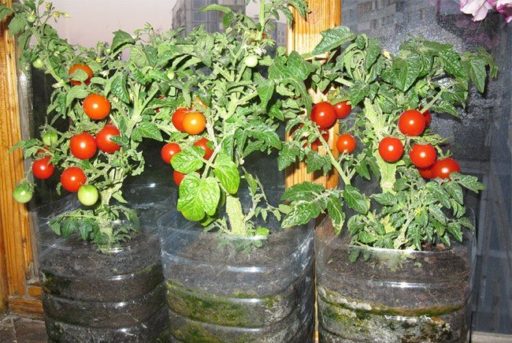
392	296
115	295
223	288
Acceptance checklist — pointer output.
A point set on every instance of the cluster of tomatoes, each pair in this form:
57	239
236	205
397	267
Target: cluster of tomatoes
82	146
325	116
412	123
190	122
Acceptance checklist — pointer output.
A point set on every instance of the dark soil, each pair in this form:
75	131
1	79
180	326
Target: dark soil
94	296
393	296
225	290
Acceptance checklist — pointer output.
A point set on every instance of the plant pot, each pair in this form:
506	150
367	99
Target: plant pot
222	288
391	295
113	295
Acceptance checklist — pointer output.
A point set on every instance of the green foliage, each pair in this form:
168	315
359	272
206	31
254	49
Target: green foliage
405	212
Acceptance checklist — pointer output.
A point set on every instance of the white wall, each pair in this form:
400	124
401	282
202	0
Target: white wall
95	20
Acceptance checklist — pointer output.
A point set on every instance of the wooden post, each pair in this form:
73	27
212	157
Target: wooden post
303	36
15	234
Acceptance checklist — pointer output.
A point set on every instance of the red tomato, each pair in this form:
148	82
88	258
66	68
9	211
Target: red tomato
194	123
443	168
428	118
96	106
83	146
84	68
104	139
391	149
316	144
72	178
324	115
204	143
346	143
411	123
178	177
42	168
168	151
342	109
177	118
426	173
423	155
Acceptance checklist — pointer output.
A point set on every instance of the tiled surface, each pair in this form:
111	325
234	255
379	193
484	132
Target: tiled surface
20	330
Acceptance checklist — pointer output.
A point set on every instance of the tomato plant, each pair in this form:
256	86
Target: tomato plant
324	115
83	146
445	167
104	139
88	195
85	69
194	123
346	143
342	109
205	144
391	149
412	123
168	151
42	168
423	155
72	178
96	106
414	195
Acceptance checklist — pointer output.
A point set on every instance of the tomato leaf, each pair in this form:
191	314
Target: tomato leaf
227	173
265	91
301	214
121	38
477	73
5	11
333	39
18	24
190	202
148	130
356	200
75	93
306	191
188	160
385	199
468	181
209	193
118	87
336	213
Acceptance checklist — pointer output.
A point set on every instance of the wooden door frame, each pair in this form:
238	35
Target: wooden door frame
303	36
16	258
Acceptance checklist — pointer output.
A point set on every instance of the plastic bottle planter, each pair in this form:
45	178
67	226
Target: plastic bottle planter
223	289
112	296
392	296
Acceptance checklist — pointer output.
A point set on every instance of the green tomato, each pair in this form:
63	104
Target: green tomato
50	138
23	193
251	61
31	18
88	195
38	63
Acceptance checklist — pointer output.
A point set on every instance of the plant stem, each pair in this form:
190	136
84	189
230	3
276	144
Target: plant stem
433	101
335	163
235	216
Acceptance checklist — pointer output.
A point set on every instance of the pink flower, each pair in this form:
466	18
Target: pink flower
477	8
505	8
